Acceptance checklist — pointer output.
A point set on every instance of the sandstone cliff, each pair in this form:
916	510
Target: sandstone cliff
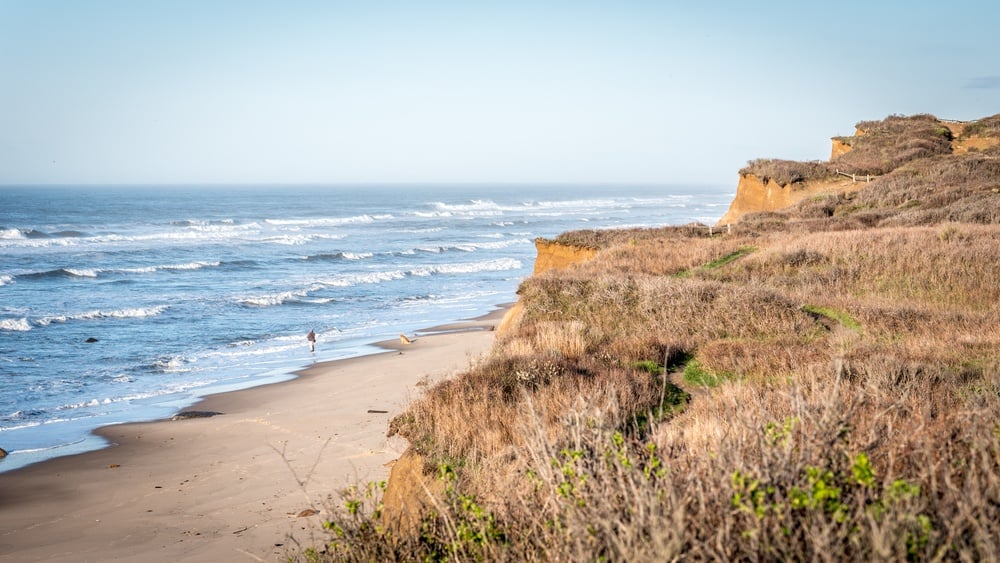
759	193
754	194
551	255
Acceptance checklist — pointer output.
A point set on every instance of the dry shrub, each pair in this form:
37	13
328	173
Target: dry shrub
959	188
888	144
818	468
986	127
785	172
760	360
605	238
664	256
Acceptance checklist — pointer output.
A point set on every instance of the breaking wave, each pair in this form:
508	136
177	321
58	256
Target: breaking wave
15	325
127	313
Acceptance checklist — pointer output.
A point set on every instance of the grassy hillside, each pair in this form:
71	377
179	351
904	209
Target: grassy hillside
821	383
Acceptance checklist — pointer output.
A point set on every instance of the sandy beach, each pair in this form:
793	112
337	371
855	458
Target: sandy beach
231	487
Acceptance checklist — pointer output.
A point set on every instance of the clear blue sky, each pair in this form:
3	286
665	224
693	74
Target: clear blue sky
169	91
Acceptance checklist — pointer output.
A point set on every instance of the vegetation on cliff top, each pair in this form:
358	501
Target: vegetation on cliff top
821	383
879	148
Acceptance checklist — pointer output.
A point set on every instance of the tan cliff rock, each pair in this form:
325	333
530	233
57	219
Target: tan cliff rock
970	143
551	255
755	195
411	492
839	147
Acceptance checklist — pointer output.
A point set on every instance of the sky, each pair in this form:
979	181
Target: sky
370	91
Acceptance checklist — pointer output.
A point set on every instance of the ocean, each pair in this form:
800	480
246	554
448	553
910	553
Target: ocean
128	303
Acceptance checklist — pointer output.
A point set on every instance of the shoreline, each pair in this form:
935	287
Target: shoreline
232	486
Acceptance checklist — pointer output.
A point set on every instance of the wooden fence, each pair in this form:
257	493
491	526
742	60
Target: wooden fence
854	177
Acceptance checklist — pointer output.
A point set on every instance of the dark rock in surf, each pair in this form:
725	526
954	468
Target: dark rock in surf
194	414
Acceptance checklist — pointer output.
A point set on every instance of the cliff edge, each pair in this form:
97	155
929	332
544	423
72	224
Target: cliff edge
876	149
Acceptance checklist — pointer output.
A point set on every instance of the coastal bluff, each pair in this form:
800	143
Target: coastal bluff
756	194
685	351
767	185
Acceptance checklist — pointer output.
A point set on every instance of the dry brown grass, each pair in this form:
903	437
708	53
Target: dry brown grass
986	127
748	469
785	172
842	361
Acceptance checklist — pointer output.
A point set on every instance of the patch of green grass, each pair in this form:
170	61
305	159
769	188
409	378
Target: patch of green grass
649	366
718	262
835	315
696	374
674	401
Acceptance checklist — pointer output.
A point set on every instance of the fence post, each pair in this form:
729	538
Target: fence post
729	228
710	230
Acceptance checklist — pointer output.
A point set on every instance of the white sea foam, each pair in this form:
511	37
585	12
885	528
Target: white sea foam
128	313
20	426
104	401
11	234
5	279
421	230
49	448
361	279
498	265
472	246
329	221
272	299
97	314
15	325
82	272
290	240
477	208
179	267
357	255
172	364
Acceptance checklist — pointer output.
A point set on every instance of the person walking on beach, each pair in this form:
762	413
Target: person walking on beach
311	337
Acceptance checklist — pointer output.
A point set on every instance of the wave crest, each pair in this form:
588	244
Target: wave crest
15	325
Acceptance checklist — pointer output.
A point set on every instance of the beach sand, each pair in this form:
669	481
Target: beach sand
231	487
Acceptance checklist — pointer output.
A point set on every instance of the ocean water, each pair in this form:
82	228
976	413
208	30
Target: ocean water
194	290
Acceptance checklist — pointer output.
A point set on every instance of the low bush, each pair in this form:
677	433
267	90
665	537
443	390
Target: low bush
785	172
986	127
885	145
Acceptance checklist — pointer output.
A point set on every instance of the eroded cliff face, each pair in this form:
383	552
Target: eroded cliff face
554	256
970	143
755	195
410	492
839	147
